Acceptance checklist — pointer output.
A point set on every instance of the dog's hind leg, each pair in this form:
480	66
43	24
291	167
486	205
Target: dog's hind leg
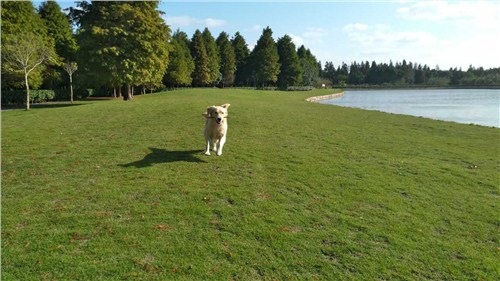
221	145
207	151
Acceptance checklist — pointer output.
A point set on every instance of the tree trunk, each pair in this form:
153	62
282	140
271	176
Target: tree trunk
71	87
143	90
132	92
114	91
128	95
120	91
127	92
27	91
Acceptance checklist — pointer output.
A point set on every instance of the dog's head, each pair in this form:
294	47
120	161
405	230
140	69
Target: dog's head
217	112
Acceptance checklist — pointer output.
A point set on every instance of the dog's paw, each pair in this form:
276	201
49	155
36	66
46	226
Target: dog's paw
207	153
219	153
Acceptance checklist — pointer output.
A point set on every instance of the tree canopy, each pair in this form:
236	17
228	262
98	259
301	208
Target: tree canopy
241	53
227	59
19	19
201	73
59	28
264	59
309	66
290	69
126	45
123	43
181	65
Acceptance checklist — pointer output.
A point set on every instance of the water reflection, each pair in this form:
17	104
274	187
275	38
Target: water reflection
480	107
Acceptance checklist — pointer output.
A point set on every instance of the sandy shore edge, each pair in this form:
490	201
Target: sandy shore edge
325	97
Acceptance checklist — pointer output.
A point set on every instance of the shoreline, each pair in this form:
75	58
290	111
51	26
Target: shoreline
325	97
317	99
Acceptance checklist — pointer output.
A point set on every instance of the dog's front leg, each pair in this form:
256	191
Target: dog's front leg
207	151
221	145
215	144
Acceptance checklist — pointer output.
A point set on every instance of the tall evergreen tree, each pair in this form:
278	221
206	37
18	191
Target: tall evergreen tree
59	28
356	75
290	71
328	71
181	64
227	59
212	55
241	53
264	59
201	73
309	65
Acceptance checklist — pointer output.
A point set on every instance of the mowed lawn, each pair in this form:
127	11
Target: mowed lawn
114	190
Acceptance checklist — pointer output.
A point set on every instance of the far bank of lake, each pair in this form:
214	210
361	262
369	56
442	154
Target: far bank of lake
468	106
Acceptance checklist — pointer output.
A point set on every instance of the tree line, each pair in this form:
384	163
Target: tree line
407	74
126	47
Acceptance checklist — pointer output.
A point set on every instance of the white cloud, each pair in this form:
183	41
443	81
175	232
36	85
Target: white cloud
476	28
256	28
382	43
184	21
353	27
314	35
210	22
297	40
482	13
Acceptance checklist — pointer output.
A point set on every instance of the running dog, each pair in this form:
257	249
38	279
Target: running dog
215	128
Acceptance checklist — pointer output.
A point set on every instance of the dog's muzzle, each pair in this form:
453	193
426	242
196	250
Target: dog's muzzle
218	120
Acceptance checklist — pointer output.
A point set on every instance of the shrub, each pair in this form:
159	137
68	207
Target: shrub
80	93
19	96
300	88
268	88
62	94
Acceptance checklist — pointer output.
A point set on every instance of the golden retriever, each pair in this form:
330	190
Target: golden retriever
215	128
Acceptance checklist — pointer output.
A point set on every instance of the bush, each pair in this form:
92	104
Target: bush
268	88
80	93
62	94
300	88
19	96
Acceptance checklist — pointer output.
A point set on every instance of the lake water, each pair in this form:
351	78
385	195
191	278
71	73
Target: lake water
480	107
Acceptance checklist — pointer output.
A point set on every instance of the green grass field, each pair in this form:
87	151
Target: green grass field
114	190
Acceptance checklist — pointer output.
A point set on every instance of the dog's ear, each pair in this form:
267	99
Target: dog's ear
226	105
209	111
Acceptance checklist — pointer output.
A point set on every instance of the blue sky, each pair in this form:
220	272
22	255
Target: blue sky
444	33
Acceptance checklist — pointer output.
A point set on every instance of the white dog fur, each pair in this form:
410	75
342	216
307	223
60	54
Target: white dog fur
215	128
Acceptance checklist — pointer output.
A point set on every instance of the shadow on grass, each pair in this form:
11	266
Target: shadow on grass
157	156
41	105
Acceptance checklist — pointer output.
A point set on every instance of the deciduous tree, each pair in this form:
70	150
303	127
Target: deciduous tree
122	43
70	68
23	53
20	17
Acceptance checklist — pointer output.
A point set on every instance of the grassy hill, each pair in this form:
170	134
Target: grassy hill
114	190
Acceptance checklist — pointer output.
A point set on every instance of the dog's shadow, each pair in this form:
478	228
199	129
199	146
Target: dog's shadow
158	156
